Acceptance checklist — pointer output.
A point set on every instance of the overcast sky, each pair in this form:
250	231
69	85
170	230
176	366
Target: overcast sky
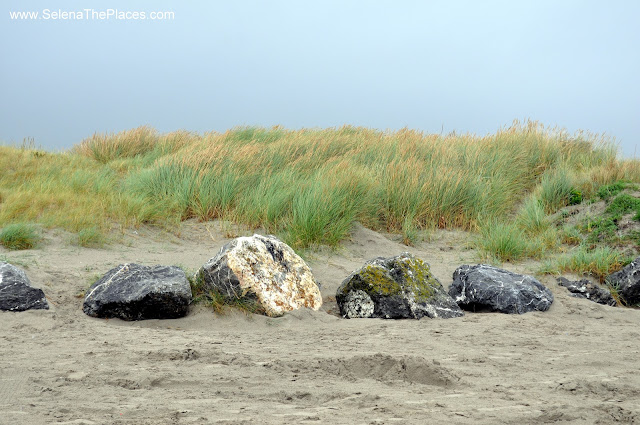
468	66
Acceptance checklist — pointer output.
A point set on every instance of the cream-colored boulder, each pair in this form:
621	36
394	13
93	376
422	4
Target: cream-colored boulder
263	270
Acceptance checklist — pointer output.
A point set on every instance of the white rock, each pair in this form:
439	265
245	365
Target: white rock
263	269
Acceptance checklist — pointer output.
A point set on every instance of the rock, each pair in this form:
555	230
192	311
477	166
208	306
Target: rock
16	292
400	287
585	289
135	292
627	282
483	287
263	271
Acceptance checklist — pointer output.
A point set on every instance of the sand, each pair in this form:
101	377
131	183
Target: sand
576	363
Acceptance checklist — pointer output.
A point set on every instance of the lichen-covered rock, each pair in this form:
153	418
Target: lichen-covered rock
135	292
483	287
264	271
627	282
586	289
400	287
16	292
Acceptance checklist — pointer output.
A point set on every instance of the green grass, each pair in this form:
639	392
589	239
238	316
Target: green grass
504	241
624	204
90	237
598	262
557	190
216	301
309	186
607	191
20	236
604	228
532	218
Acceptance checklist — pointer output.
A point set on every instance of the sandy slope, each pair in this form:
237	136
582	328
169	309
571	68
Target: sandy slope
576	363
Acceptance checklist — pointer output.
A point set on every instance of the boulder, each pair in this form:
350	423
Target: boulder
400	287
16	292
484	287
263	271
627	282
135	292
585	289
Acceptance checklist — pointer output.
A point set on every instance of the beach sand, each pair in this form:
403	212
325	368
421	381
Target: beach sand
576	363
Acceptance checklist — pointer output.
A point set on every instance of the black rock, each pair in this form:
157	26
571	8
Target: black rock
484	287
627	282
135	292
585	289
400	287
16	292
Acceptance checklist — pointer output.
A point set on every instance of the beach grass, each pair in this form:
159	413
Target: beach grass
598	262
309	186
18	236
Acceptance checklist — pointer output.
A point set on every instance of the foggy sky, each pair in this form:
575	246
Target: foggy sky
436	66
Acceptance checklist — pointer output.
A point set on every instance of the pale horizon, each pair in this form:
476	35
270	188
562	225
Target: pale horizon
438	68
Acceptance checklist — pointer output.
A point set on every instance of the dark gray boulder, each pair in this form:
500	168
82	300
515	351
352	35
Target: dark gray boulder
135	292
586	289
16	292
484	287
400	287
627	282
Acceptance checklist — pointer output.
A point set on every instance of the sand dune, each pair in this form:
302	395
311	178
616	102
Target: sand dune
576	363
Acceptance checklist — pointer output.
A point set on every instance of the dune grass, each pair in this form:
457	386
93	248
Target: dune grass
598	262
309	186
19	236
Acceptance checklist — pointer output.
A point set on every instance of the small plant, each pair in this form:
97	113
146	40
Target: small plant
599	262
607	191
409	232
14	261
571	235
90	237
532	218
20	236
575	197
217	301
624	204
504	241
555	190
601	229
614	289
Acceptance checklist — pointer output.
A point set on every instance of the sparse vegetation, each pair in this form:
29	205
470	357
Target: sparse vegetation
216	301
90	237
598	262
608	190
19	236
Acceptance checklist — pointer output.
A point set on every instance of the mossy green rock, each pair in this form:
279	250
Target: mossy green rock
400	287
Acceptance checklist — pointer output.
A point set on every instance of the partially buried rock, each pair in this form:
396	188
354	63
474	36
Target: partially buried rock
627	282
263	271
484	287
585	289
16	292
135	292
400	287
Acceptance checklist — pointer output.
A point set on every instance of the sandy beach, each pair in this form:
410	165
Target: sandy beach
576	363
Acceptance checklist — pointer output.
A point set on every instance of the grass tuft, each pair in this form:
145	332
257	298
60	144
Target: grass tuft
90	237
20	236
599	262
504	241
216	301
556	190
